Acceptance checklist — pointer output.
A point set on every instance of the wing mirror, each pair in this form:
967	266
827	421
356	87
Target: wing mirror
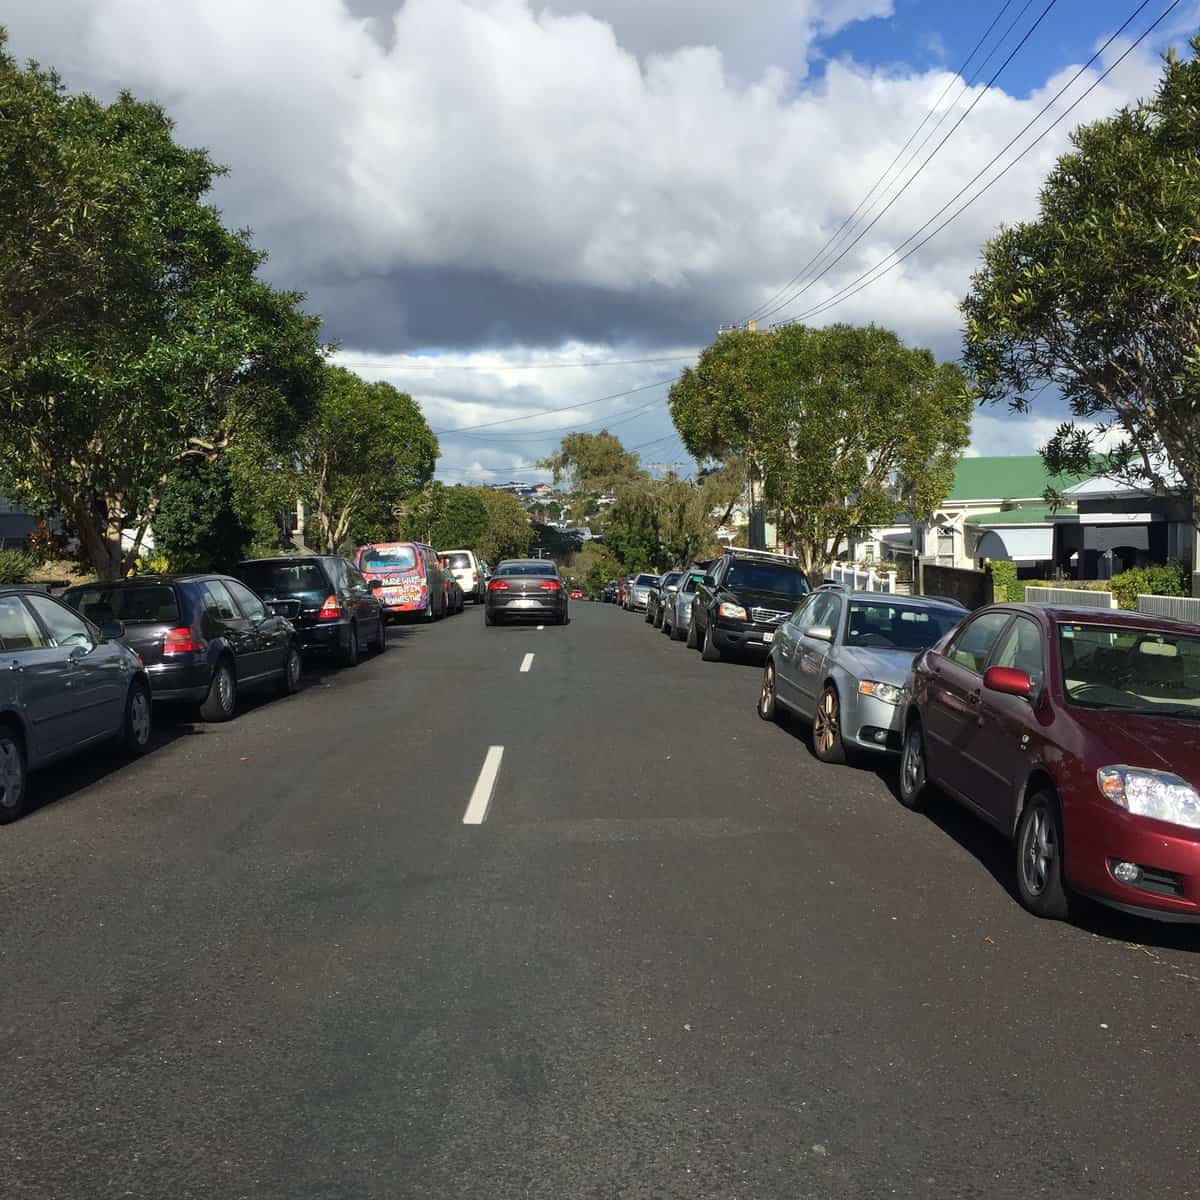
112	631
1011	681
822	633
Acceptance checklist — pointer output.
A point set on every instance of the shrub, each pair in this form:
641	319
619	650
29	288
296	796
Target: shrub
1004	581
1169	580
16	566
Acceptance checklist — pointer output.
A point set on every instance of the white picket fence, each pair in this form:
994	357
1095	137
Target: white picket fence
1069	597
1178	608
861	579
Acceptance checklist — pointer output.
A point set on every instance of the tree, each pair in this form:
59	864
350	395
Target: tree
134	332
594	566
197	526
462	520
593	463
509	532
364	450
1101	294
844	426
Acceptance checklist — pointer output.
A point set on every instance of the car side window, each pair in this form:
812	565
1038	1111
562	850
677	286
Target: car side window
823	612
973	645
64	627
1021	647
799	618
18	629
247	601
218	601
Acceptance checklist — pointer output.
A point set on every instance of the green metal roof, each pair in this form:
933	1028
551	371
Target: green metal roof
1005	477
1020	516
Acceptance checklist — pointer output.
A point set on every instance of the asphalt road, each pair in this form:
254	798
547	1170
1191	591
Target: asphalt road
678	958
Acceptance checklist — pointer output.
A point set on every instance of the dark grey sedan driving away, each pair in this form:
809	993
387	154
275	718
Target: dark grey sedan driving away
524	589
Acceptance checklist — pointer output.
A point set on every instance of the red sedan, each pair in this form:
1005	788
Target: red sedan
576	594
1076	732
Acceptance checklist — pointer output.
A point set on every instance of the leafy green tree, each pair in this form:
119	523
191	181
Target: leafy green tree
595	566
593	464
509	532
134	332
197	526
844	426
464	518
1101	294
365	448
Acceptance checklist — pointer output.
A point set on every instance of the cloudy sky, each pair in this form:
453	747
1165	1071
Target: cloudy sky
478	194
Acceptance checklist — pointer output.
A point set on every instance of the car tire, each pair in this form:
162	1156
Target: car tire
221	701
914	777
139	719
768	708
710	651
379	644
666	628
14	776
1039	852
827	727
648	618
428	615
488	619
349	652
293	668
693	635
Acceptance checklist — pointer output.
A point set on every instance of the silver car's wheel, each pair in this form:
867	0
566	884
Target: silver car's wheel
766	698
827	728
12	777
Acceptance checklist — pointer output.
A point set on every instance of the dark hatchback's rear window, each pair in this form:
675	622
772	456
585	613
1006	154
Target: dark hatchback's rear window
148	604
272	579
546	569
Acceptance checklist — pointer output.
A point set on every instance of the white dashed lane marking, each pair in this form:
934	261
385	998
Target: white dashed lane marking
485	785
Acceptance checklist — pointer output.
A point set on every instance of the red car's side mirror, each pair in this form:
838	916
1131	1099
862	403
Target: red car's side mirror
1012	681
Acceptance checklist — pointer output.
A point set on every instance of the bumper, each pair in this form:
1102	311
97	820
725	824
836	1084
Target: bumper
746	636
179	680
527	610
329	635
870	724
1167	855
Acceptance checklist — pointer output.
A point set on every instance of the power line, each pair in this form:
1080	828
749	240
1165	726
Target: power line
564	430
525	470
869	276
563	408
549	366
912	178
956	78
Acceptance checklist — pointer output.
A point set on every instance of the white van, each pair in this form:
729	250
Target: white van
468	570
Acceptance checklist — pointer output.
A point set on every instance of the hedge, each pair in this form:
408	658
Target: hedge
1169	580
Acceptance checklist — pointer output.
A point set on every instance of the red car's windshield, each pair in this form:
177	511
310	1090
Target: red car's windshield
1135	670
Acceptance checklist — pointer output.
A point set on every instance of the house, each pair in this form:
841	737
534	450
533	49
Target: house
15	524
1113	526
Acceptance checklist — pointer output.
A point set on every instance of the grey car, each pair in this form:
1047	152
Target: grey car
842	661
668	585
524	589
639	591
677	609
65	685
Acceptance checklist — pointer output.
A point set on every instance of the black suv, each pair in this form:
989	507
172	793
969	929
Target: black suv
744	597
202	637
326	598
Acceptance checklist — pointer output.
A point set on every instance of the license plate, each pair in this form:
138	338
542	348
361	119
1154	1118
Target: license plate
768	638
524	604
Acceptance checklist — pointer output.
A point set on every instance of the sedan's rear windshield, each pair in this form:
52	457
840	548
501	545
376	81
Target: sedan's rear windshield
646	580
457	562
884	626
547	569
1131	670
767	577
284	578
144	604
387	558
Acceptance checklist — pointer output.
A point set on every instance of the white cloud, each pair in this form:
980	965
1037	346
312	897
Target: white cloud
502	171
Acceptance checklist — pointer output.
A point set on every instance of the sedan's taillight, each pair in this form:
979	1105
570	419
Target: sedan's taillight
330	610
498	585
550	585
180	641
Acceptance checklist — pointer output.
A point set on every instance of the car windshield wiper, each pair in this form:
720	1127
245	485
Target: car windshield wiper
1189	711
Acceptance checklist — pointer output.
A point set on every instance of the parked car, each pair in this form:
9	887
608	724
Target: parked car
411	579
666	586
202	638
326	598
576	594
608	593
1076	733
622	592
68	686
524	588
455	601
677	610
744	597
639	591
469	572
842	660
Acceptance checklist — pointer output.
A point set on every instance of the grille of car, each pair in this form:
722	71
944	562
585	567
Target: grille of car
767	616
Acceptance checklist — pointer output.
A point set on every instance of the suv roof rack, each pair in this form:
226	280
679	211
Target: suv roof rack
772	555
